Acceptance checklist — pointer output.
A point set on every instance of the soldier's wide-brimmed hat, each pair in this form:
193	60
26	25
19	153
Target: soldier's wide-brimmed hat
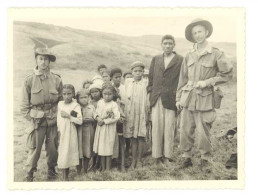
198	21
45	51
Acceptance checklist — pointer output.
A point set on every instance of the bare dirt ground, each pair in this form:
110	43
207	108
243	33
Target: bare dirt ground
222	148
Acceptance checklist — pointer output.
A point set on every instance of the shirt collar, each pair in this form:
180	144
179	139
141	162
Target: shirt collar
207	49
139	82
41	73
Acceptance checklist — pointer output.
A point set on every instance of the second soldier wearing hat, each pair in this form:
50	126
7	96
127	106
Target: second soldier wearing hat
203	68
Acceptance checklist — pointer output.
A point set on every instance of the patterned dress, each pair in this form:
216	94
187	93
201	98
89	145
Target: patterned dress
86	132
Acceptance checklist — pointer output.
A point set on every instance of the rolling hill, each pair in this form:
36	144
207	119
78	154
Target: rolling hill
81	49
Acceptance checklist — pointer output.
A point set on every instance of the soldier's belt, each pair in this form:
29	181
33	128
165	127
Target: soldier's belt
44	106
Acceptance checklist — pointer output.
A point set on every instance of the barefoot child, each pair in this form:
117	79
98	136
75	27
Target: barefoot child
86	131
137	113
116	74
69	114
95	96
107	115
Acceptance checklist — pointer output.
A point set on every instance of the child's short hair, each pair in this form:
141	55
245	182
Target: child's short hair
168	37
101	66
107	72
86	82
82	91
69	86
126	73
115	70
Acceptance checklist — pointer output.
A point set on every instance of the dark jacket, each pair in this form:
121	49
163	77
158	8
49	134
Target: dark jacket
163	82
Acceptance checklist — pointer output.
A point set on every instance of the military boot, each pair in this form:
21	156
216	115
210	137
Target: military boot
52	174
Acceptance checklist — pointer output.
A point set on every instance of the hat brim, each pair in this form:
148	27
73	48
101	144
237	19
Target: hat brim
52	58
188	29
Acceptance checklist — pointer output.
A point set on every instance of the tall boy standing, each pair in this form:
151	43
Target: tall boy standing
203	67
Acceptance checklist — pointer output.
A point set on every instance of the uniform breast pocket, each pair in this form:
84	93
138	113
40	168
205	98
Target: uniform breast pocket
53	95
208	69
37	96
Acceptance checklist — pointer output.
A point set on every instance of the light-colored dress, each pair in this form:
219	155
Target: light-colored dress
136	108
68	154
86	132
105	135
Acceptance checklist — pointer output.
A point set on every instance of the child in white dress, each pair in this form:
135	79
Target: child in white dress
69	114
107	114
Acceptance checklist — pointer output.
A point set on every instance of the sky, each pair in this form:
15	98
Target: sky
138	22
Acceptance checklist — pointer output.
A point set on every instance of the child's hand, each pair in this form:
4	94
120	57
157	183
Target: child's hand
100	123
65	114
121	119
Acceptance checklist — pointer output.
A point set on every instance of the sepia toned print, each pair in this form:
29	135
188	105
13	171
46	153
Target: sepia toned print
160	103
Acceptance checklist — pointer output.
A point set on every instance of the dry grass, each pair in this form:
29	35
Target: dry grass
222	148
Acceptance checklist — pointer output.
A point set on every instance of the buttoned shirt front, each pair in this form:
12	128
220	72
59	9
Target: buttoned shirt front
211	66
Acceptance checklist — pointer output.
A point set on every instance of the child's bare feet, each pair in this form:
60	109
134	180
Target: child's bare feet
166	162
159	162
139	165
123	169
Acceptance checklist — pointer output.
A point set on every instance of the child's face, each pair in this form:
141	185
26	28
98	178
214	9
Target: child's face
68	95
105	77
86	85
101	70
42	61
83	99
95	93
107	95
128	76
137	73
199	34
116	78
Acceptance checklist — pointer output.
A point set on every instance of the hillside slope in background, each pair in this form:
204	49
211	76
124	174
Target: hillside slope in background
81	49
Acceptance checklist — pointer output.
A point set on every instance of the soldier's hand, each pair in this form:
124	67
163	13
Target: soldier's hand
201	84
179	107
65	114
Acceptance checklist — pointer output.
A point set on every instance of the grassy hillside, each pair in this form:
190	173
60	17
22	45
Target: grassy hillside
82	49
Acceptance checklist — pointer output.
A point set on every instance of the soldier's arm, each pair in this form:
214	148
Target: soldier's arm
225	70
183	79
25	104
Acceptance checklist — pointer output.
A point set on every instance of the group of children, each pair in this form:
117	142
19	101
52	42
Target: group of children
103	120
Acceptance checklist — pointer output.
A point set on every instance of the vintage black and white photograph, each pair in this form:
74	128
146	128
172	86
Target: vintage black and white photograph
126	95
